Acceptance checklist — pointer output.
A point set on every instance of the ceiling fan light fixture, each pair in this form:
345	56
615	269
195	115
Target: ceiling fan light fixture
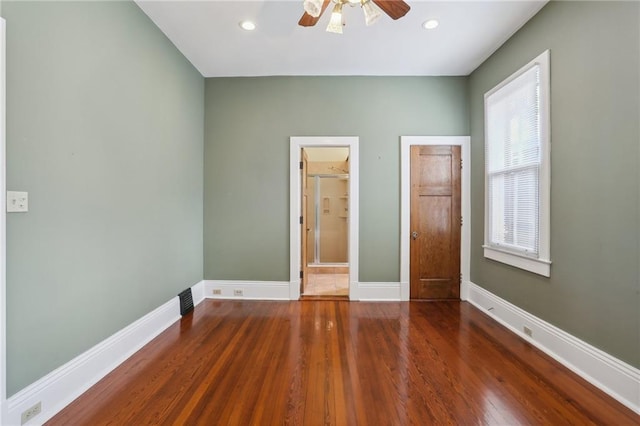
335	24
371	12
313	7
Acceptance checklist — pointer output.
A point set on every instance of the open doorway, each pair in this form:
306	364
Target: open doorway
325	222
324	217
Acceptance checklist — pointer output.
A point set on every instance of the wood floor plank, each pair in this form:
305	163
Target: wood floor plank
341	363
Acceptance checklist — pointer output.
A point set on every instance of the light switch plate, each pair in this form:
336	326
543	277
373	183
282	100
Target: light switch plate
17	202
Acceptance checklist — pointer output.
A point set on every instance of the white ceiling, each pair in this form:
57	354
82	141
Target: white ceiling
208	34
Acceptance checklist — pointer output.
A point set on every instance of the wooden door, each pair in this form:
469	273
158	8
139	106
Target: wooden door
435	222
303	221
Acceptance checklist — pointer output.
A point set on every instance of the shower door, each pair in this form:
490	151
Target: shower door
328	224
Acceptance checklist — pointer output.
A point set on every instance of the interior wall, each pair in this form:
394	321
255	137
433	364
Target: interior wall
248	122
334	233
105	132
594	289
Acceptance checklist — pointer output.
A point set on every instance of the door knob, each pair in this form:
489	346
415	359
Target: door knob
414	235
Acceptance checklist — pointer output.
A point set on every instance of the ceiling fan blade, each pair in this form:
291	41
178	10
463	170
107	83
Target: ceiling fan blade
394	8
308	20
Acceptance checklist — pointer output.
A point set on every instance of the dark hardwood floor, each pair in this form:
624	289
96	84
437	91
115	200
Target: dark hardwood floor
341	363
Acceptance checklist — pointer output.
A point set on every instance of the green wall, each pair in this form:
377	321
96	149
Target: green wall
105	132
594	290
247	128
105	129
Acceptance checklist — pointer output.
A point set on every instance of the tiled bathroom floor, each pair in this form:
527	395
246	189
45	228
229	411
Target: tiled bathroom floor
327	282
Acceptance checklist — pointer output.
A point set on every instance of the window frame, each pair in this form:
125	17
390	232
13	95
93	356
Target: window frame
542	263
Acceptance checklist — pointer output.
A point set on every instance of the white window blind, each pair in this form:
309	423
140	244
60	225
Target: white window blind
513	162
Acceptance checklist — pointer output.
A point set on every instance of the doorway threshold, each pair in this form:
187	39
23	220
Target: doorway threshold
304	298
324	270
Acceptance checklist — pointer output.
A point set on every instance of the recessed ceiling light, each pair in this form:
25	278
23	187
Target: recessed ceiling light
430	24
247	25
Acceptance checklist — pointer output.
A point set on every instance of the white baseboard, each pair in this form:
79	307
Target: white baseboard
251	290
60	387
613	376
464	291
279	290
379	292
197	291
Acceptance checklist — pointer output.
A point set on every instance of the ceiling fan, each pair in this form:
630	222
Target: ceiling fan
371	8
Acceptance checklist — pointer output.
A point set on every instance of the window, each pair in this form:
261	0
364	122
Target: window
517	169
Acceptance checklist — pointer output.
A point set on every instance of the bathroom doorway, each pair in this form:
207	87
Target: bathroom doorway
299	264
325	222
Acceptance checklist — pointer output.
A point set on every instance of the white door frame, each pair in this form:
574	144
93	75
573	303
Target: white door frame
3	227
295	195
406	142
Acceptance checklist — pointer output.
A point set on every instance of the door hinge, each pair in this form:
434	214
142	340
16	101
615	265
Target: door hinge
301	221
301	274
301	165
460	220
460	278
461	163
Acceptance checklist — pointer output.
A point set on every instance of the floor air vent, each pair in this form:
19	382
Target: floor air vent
186	302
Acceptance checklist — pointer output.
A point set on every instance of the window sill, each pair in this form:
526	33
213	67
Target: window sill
537	266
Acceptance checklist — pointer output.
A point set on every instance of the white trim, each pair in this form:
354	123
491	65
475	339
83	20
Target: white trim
405	204
197	291
379	292
60	387
3	224
542	265
297	143
611	375
537	266
251	290
464	290
279	290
